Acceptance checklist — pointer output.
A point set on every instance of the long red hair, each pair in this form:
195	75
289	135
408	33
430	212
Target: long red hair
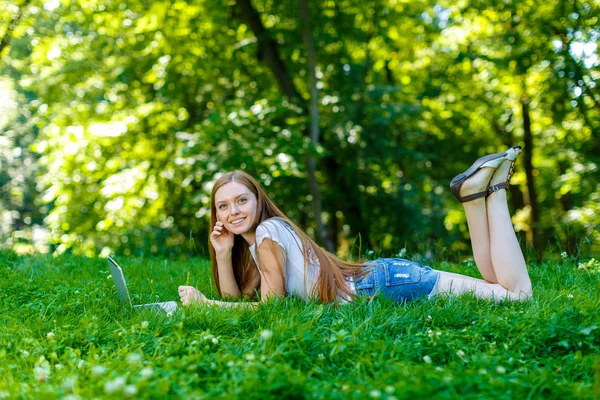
333	271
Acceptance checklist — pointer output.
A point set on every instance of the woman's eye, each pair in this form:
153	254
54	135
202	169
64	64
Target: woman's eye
222	207
242	200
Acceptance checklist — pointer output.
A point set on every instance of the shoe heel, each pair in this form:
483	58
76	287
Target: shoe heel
495	163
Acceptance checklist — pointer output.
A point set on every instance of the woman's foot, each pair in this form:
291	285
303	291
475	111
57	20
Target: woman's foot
477	183
476	178
501	177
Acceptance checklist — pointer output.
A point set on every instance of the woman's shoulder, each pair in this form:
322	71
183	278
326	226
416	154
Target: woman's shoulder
274	227
274	221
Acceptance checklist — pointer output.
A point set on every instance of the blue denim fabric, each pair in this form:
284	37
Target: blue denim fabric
399	279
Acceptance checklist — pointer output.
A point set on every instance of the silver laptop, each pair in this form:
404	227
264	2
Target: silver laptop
119	278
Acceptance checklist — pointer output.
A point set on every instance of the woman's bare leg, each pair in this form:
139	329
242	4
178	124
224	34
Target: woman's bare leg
507	257
456	284
477	221
511	279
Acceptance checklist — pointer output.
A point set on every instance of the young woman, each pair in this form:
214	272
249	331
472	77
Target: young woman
254	246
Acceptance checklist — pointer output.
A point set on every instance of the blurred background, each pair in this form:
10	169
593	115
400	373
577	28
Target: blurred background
117	117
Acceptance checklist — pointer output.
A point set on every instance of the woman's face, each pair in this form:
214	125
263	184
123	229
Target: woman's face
236	207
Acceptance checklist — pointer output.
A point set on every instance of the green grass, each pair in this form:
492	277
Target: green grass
446	348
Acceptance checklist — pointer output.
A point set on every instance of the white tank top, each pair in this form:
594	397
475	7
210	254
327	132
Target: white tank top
297	282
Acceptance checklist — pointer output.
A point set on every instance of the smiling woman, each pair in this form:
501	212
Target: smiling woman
254	246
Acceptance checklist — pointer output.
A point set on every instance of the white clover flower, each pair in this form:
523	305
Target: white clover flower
80	364
438	333
215	340
266	334
230	364
25	353
563	254
389	389
98	370
483	371
345	387
169	314
145	325
41	373
146	373
109	387
68	385
114	386
321	356
375	394
134	358
429	332
50	335
428	319
58	366
500	369
250	357
569	296
460	353
130	391
427	359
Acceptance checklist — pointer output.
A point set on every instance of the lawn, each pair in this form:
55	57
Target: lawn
63	334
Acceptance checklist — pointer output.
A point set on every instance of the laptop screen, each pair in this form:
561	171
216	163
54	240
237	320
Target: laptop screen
120	285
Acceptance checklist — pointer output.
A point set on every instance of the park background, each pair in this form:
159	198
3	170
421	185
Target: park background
117	117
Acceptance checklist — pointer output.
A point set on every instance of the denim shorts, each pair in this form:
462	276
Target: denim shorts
400	280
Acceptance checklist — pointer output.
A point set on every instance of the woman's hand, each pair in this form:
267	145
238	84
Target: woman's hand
189	295
221	239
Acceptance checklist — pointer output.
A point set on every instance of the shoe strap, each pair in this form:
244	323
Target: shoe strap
473	196
495	188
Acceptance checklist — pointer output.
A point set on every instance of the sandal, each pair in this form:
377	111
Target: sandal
512	156
491	161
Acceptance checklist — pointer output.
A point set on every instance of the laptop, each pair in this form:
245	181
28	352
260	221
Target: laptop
119	278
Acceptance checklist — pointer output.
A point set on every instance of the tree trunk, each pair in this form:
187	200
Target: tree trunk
566	201
11	27
516	195
314	124
268	51
351	204
534	238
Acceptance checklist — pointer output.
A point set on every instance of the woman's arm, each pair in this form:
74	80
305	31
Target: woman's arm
271	258
222	242
229	286
189	295
227	283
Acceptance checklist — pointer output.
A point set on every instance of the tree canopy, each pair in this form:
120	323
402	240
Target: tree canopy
116	117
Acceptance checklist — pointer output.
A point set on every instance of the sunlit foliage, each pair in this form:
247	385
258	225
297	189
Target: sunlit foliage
117	116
